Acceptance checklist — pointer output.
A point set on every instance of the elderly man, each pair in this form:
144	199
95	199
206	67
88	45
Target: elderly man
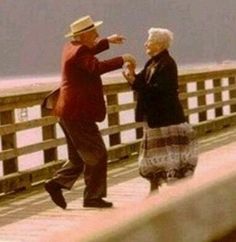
79	106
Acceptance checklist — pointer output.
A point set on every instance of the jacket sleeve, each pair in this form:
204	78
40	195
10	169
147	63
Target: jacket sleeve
139	82
89	63
102	45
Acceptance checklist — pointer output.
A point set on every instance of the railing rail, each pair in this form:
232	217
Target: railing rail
208	97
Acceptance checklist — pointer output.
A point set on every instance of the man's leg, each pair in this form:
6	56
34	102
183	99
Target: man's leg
96	182
88	141
71	170
66	176
96	179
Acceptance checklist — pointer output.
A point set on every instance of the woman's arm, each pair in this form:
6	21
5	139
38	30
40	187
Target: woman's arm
136	81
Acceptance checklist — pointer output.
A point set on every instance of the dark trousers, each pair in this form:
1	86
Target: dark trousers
87	154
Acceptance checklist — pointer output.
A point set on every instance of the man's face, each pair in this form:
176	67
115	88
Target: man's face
89	38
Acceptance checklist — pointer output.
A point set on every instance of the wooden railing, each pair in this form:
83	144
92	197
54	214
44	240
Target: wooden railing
208	96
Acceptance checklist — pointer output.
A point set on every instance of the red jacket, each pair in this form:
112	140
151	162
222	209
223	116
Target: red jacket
81	90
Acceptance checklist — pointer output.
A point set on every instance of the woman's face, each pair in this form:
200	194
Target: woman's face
152	47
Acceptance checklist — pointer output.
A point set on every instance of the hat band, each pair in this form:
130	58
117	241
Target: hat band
82	30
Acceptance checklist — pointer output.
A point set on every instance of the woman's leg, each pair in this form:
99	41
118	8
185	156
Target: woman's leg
154	186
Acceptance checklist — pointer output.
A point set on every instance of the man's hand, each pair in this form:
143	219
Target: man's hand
116	39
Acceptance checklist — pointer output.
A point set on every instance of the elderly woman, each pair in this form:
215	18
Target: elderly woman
168	149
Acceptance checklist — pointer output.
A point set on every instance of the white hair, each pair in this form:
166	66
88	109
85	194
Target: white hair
163	37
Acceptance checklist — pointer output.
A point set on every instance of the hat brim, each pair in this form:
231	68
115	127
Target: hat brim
96	24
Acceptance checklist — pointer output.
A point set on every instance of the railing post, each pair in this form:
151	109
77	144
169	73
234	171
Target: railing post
9	142
49	132
202	116
232	93
139	131
113	119
218	97
184	102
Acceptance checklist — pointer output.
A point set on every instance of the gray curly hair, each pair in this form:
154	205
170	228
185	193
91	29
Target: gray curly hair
163	37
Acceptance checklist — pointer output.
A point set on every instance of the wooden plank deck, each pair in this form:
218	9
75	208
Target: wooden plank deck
30	215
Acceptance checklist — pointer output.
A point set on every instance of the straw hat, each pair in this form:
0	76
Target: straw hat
82	25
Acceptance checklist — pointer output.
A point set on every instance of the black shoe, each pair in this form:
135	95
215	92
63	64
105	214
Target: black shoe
55	193
97	203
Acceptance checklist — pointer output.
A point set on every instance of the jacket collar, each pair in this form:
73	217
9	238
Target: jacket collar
157	57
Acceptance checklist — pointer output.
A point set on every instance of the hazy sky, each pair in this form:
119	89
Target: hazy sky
32	32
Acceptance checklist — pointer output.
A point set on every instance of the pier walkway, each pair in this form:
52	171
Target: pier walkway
30	216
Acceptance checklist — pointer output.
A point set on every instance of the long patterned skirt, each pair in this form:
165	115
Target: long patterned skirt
168	153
